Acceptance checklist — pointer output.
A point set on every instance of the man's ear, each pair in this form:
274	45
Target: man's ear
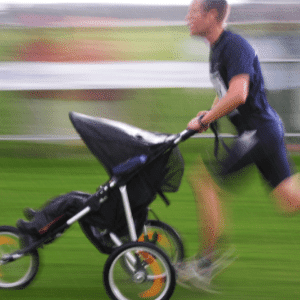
213	14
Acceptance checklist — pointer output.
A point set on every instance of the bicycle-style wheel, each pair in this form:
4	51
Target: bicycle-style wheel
164	237
153	276
19	273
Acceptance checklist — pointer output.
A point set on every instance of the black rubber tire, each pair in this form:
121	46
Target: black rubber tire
33	257
173	234
144	247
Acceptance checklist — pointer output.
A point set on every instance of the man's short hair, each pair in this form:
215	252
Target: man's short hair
220	6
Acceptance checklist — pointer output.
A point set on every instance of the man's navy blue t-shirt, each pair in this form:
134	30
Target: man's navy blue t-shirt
232	55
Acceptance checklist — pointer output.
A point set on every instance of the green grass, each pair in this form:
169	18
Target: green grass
267	242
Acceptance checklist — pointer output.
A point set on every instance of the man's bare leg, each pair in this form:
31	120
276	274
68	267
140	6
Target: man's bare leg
287	195
199	271
209	209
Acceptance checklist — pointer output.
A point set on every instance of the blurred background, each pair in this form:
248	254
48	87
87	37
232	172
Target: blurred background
137	63
126	61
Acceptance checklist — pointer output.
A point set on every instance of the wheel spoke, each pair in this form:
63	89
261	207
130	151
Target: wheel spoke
157	285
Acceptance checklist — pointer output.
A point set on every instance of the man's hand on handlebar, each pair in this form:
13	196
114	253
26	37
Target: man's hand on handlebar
196	124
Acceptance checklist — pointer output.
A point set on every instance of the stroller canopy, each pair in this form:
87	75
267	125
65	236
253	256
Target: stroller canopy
114	143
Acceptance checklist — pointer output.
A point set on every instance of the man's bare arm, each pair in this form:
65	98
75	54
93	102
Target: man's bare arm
215	102
237	95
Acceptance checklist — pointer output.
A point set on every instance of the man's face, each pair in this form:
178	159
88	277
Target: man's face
197	19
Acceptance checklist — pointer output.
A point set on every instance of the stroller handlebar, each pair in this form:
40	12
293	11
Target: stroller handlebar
187	133
184	135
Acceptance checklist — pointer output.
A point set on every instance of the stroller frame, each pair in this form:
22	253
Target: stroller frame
94	203
134	255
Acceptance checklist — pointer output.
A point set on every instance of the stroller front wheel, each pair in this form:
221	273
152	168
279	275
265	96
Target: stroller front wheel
152	278
19	273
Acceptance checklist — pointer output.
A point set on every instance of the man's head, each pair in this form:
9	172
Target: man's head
204	15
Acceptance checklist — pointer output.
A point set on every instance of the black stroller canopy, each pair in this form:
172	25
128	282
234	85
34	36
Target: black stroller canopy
113	142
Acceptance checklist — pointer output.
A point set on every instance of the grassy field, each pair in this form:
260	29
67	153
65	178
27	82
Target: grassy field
267	242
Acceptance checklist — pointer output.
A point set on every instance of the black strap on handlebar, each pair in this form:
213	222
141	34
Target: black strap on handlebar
214	128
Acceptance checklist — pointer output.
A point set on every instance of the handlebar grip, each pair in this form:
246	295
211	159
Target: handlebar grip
187	134
184	135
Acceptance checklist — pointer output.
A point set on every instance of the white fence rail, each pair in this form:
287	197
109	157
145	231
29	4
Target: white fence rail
63	138
278	74
57	138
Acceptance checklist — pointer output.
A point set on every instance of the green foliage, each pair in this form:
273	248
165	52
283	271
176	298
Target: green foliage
132	43
165	110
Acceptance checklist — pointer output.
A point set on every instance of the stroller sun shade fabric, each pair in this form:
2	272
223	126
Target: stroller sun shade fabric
114	143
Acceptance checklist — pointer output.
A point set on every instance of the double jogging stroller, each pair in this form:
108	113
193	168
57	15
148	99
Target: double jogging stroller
141	165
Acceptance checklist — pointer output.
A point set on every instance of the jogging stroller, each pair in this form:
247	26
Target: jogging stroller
141	165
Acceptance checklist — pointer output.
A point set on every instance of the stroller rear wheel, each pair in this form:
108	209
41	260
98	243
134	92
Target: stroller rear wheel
152	277
164	237
19	273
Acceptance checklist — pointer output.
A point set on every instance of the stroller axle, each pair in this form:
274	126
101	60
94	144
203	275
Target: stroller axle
139	277
7	258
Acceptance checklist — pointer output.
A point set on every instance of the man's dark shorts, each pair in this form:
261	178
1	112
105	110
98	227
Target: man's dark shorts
264	148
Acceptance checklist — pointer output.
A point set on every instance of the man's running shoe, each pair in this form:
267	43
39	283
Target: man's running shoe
223	261
194	273
198	273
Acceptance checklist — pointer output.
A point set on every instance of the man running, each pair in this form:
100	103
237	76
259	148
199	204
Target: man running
237	78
